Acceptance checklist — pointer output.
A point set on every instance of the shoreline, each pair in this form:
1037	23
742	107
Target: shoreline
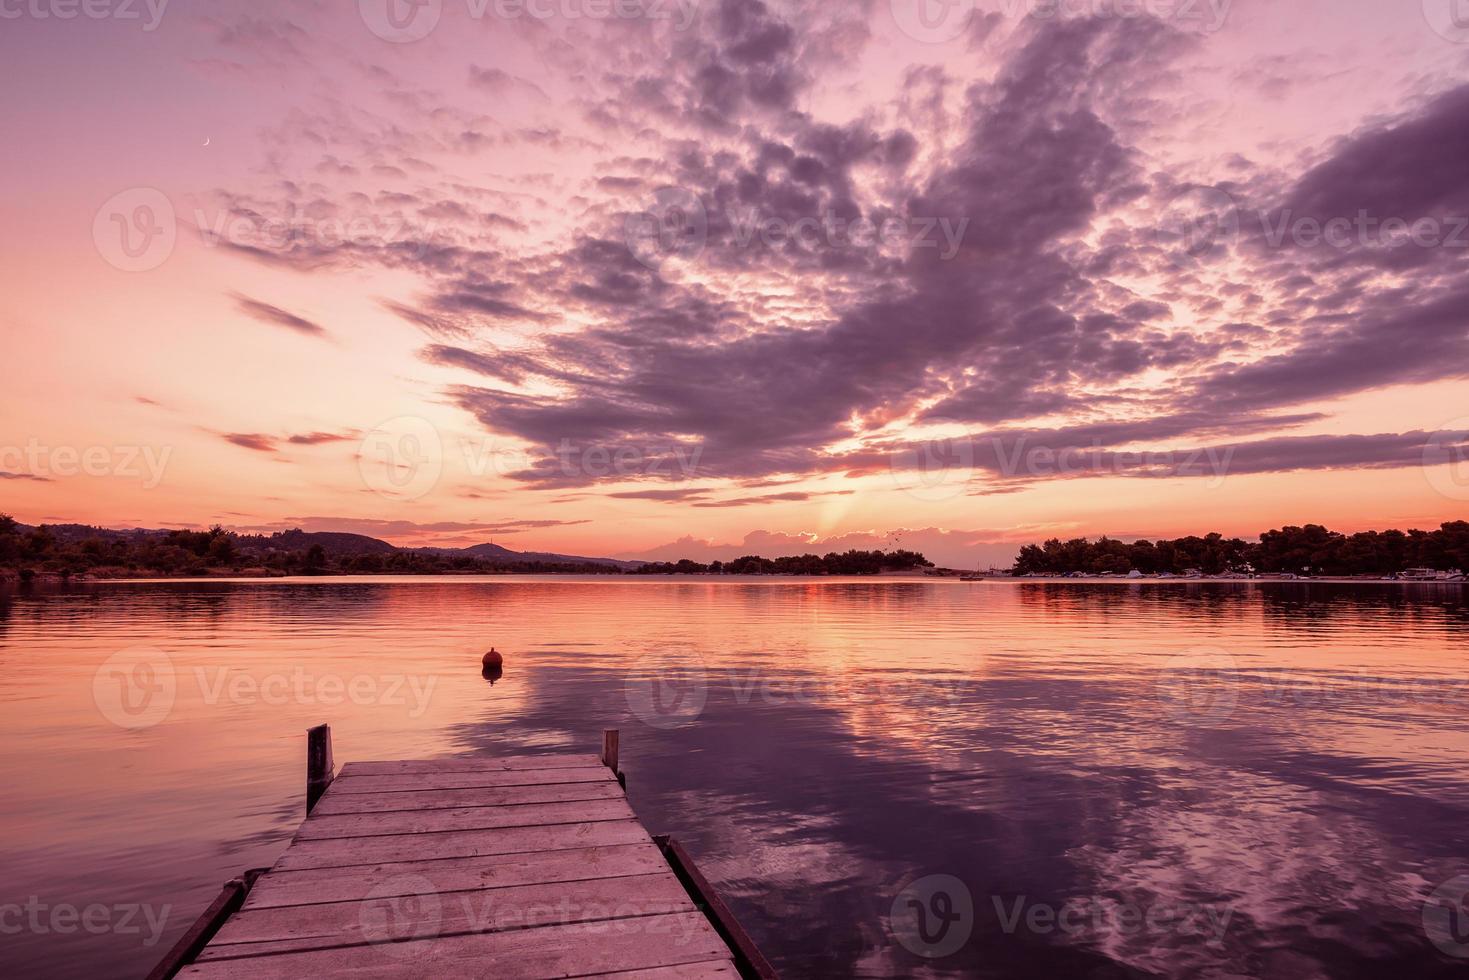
9	580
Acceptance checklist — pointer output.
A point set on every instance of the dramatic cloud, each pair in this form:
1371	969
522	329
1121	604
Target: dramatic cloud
787	260
261	442
266	313
251	440
320	438
994	308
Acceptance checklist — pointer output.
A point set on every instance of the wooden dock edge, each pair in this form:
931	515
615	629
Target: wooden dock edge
751	962
197	936
748	959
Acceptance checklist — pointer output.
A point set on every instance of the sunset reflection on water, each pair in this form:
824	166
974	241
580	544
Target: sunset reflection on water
1293	755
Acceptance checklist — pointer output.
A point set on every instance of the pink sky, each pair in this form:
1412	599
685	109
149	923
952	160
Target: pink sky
532	278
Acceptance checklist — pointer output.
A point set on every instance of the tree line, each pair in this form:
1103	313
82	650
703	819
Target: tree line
1309	550
66	552
851	562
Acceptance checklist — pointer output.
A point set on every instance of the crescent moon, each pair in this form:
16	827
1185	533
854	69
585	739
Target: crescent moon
206	141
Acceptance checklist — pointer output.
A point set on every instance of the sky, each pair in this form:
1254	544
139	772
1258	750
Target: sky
703	278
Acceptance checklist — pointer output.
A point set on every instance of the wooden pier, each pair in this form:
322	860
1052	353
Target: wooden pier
518	867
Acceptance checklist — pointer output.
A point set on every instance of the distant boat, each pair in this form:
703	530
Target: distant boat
971	577
1431	575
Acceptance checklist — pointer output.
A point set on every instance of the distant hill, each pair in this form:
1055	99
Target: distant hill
494	552
334	544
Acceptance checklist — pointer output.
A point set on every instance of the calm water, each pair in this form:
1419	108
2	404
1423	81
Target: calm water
1065	780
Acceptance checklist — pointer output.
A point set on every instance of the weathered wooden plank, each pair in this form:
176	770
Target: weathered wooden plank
470	818
471	763
426	912
414	782
708	970
579	949
285	888
359	851
449	799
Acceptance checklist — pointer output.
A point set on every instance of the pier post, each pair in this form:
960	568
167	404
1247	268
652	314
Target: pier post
609	753
319	767
609	748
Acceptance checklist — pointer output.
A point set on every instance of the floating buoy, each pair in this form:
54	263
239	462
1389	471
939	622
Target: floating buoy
493	660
